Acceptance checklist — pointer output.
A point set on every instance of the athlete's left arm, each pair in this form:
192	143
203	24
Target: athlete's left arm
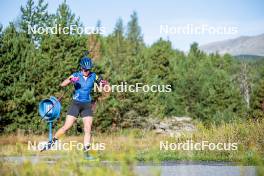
105	85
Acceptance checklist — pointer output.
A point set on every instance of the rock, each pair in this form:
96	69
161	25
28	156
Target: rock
181	119
163	125
173	126
159	131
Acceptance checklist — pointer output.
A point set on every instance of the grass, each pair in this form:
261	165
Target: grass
130	146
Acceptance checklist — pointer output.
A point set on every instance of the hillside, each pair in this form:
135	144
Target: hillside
244	45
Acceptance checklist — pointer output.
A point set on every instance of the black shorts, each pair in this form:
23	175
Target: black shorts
76	108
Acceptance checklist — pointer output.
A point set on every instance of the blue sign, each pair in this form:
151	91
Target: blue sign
50	108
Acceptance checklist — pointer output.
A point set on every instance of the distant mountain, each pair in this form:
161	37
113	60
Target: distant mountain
250	58
244	45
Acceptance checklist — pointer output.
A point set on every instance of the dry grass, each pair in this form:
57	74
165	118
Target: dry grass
133	145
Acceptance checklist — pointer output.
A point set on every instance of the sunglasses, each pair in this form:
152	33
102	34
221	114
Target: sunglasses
85	70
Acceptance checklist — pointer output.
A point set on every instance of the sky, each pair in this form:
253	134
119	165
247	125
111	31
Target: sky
169	19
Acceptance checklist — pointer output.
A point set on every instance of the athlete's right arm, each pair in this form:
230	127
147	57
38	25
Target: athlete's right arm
66	82
69	80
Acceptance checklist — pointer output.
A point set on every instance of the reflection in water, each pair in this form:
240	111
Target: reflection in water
195	169
178	168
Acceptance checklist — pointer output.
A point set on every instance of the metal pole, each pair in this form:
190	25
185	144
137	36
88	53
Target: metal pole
50	131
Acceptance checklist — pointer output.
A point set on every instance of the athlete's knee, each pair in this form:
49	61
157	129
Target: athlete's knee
87	130
68	124
65	127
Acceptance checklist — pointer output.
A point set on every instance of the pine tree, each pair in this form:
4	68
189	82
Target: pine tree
117	47
28	14
65	18
134	34
17	81
119	40
94	42
159	55
34	16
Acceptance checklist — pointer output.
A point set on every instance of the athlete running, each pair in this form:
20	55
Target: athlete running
83	82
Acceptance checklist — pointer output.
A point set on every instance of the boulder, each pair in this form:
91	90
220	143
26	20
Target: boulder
174	126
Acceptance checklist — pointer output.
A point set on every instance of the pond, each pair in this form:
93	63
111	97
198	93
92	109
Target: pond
168	168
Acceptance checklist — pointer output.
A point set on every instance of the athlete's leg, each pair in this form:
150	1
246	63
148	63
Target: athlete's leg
67	125
87	123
